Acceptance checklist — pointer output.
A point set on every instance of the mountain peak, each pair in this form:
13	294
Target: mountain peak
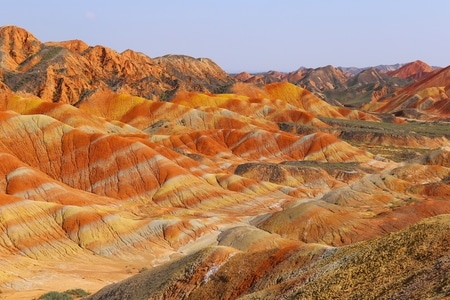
413	70
14	30
17	44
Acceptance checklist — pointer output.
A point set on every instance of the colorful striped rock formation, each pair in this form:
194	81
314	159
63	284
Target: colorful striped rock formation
262	192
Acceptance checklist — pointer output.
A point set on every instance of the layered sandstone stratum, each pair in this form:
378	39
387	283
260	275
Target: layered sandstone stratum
263	192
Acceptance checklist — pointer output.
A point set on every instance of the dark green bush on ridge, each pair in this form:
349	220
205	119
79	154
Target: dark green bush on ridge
55	296
67	295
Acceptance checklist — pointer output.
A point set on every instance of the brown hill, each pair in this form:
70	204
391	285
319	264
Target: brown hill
368	76
324	78
370	84
413	70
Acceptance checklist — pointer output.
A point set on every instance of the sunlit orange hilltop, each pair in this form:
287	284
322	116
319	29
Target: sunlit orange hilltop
130	177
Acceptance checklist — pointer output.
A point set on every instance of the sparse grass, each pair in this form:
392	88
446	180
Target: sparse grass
397	154
50	53
411	200
428	129
355	132
327	166
395	204
17	81
77	293
67	295
297	128
55	296
351	97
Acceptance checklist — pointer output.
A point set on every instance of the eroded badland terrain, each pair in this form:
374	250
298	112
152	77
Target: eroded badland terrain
133	177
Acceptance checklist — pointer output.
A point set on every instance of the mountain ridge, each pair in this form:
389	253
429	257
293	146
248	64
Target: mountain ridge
74	70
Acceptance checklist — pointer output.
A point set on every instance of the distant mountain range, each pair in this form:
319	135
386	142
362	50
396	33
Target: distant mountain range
351	87
381	68
70	71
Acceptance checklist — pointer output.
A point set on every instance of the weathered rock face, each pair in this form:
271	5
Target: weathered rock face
321	79
16	45
192	74
70	71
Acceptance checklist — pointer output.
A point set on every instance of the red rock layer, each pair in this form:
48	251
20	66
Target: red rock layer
414	70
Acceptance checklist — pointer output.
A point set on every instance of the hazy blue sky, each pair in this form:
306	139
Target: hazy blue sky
251	35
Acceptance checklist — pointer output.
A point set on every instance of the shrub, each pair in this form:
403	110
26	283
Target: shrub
77	293
67	295
55	296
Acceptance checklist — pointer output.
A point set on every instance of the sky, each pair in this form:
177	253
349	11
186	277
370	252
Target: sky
249	35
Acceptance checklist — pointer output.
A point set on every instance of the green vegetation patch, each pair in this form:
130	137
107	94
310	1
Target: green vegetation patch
327	166
428	129
67	295
50	52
